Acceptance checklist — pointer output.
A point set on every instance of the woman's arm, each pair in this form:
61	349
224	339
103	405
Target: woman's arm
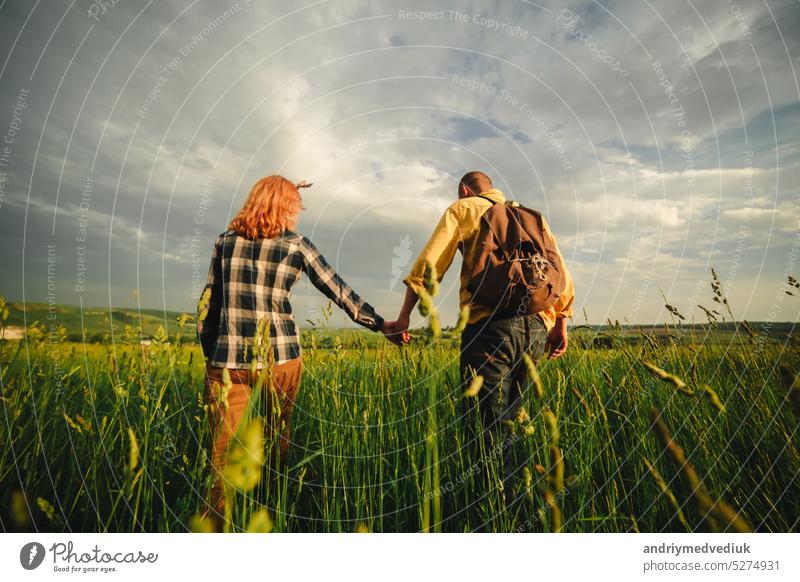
325	278
210	303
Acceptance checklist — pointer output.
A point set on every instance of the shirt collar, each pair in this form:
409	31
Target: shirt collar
495	195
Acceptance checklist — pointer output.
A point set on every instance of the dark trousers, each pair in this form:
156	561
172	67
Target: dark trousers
493	349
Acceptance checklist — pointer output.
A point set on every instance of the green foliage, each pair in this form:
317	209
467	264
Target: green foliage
115	438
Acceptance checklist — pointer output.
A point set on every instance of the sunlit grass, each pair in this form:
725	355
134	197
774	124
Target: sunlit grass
115	438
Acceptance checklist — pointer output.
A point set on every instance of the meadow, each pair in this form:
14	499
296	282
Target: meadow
646	434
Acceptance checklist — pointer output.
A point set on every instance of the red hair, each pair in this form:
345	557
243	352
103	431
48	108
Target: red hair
271	207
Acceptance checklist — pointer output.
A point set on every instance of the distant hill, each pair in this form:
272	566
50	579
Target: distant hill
96	322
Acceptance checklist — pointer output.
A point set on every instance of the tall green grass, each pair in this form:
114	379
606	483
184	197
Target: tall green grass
115	438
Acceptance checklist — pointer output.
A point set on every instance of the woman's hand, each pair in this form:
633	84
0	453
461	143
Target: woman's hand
395	332
304	184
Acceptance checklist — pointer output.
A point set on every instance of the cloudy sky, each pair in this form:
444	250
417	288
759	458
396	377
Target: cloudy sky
660	139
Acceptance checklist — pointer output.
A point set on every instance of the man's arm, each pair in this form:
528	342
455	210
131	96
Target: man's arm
564	303
439	251
409	302
557	340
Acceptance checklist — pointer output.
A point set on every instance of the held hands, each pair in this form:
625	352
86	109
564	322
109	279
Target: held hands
396	332
556	343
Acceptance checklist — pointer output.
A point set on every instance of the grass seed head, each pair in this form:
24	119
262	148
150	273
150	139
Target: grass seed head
19	510
436	326
431	279
425	303
474	387
243	467
669	378
713	399
557	468
463	318
551	423
133	450
201	524
791	383
260	522
533	376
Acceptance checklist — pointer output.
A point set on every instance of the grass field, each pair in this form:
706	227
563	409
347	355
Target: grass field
677	434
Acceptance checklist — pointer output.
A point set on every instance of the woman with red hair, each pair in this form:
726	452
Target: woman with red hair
254	265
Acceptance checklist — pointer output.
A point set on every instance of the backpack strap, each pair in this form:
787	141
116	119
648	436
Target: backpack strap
486	198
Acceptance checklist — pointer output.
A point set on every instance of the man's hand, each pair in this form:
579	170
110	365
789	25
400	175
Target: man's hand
556	343
396	332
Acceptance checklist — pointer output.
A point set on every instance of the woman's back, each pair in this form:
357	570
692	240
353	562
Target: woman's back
250	279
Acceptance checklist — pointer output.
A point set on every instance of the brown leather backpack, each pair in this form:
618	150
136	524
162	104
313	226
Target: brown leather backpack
518	269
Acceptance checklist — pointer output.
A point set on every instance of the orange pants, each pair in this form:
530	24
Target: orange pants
225	422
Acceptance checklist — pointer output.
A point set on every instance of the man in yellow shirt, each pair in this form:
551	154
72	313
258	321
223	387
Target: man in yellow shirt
491	346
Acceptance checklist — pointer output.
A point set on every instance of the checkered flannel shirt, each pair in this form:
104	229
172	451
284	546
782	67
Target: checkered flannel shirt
249	279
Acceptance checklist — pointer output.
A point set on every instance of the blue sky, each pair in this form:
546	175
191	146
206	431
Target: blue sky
172	110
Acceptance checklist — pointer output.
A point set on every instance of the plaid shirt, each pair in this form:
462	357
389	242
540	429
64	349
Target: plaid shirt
249	279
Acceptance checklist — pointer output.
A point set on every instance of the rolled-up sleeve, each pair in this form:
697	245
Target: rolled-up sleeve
439	251
563	306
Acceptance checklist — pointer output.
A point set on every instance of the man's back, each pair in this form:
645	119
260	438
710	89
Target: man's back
458	229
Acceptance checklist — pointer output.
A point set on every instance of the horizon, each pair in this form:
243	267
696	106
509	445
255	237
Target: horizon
422	324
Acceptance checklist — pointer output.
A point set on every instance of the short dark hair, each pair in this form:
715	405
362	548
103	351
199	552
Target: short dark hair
476	181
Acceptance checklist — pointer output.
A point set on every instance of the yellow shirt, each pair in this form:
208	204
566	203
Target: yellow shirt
458	229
